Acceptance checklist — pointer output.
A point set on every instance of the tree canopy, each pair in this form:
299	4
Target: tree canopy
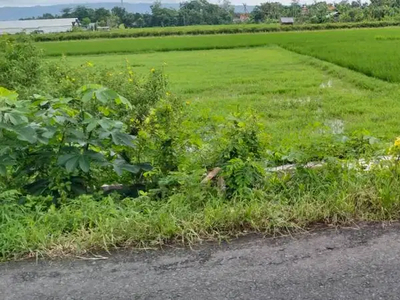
202	12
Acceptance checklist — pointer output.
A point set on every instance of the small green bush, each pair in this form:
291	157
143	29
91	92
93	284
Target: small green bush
21	65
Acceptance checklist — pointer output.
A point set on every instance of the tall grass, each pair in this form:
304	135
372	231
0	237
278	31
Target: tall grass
330	195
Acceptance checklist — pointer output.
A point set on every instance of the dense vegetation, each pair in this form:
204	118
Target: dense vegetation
201	12
204	29
99	155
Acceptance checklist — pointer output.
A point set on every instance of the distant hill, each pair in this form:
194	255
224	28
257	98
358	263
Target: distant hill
16	13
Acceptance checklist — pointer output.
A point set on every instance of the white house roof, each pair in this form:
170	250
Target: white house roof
287	20
27	24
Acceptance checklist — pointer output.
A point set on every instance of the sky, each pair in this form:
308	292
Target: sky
52	2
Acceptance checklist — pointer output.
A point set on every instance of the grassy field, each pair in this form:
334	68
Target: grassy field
291	92
379	58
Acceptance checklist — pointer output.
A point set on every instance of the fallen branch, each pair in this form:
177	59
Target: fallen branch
211	175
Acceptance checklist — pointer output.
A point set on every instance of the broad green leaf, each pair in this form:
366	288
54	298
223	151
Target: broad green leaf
62	160
145	166
84	163
50	132
38	97
7	127
87	96
37	187
72	160
60	119
104	110
75	133
3	170
43	140
92	125
121	165
95	156
122	139
87	92
10	95
8	159
104	134
123	100
105	95
72	164
16	118
87	87
131	168
27	134
106	123
98	158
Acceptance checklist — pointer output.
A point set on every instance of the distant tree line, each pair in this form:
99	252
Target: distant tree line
323	12
195	12
202	12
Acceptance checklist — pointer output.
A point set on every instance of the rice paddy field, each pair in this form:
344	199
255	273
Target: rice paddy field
373	52
295	81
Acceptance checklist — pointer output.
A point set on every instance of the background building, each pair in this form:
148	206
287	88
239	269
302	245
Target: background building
41	26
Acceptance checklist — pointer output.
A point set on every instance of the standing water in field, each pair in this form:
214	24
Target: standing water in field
326	85
336	126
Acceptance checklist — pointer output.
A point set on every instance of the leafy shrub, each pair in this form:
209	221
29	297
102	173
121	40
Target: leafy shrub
21	65
243	138
243	176
142	92
64	146
78	135
163	134
324	145
238	147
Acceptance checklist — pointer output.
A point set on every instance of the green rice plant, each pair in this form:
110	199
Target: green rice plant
379	57
204	29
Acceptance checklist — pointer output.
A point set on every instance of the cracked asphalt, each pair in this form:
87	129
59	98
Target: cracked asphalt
356	263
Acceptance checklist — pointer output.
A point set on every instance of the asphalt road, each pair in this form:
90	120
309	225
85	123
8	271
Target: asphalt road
361	263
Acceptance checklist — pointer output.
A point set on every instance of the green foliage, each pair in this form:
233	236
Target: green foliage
330	195
241	148
163	134
58	146
204	30
242	138
21	66
79	135
152	146
142	93
326	146
242	177
9	196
